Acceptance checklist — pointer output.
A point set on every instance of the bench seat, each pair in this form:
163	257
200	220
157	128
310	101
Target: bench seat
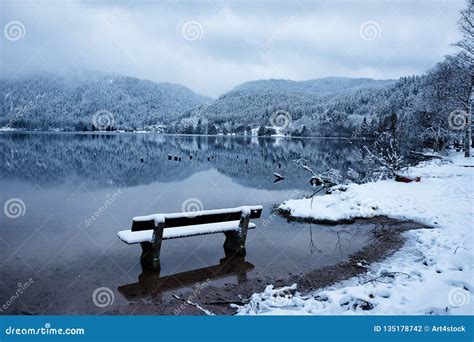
130	237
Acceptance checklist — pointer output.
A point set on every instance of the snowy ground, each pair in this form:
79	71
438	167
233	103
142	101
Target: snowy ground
431	274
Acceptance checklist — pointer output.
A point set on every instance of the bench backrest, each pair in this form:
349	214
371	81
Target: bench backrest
193	218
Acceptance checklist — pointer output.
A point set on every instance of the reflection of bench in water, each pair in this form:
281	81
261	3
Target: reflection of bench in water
151	284
151	230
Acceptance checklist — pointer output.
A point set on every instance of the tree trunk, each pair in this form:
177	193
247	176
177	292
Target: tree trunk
467	137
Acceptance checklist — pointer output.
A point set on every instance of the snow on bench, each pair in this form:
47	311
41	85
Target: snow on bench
151	230
130	237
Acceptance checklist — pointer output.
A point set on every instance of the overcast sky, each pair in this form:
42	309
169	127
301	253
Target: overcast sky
211	46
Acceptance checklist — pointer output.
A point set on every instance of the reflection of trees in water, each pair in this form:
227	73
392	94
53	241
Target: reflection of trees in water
134	159
103	159
312	245
347	235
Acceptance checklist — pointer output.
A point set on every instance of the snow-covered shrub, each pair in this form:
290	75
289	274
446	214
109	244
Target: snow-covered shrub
384	158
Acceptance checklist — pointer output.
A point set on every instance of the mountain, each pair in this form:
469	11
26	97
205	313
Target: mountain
322	86
78	101
252	104
69	102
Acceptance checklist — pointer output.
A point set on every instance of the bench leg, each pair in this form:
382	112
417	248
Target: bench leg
150	257
235	240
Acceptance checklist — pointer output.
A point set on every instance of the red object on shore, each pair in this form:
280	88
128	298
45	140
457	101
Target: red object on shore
407	179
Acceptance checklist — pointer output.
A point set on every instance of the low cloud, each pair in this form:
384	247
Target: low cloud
236	41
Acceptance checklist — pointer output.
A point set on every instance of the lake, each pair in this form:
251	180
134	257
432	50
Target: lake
65	240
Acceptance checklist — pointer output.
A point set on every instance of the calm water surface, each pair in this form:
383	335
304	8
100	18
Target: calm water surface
66	179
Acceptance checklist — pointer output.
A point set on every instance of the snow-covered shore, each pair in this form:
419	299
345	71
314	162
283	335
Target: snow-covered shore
431	274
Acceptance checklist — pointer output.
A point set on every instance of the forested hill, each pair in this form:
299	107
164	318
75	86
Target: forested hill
252	104
322	107
322	86
69	102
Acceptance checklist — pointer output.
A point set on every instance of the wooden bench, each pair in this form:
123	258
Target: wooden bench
151	230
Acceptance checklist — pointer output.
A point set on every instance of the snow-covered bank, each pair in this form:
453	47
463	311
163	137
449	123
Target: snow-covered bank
431	274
